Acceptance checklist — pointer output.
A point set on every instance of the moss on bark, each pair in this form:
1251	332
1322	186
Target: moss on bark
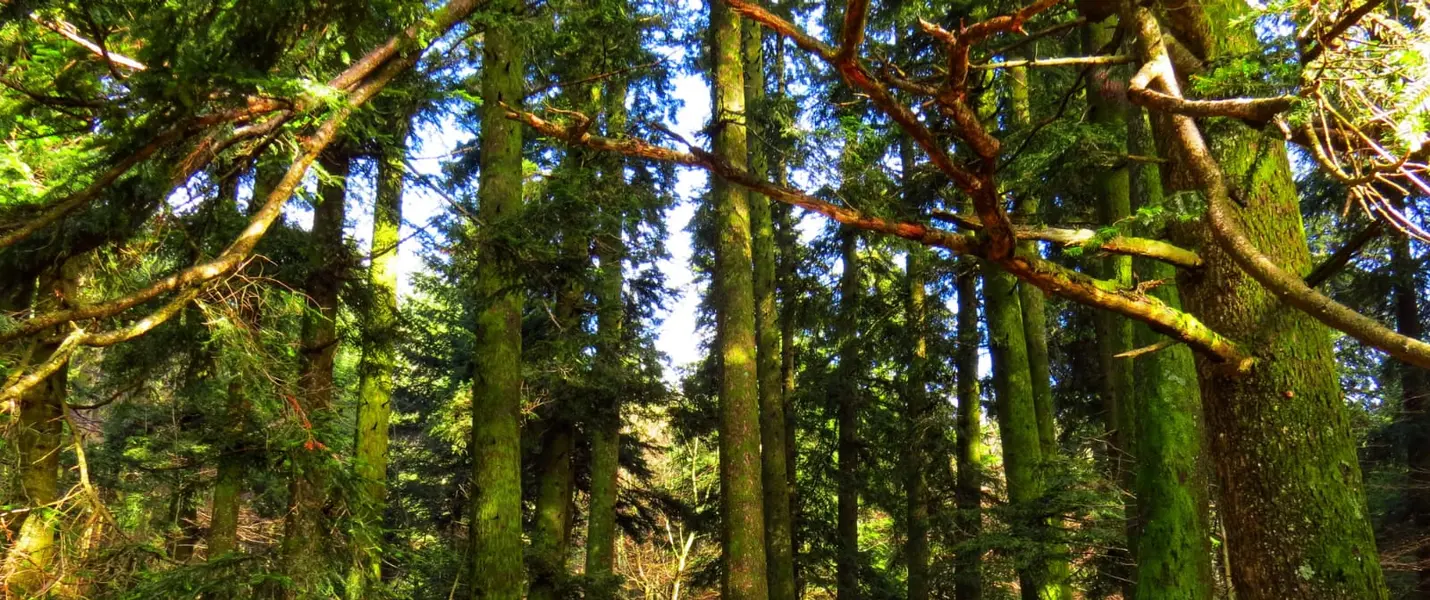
496	556
742	496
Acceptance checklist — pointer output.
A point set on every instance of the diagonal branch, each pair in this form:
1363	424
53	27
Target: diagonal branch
1131	246
1050	277
68	31
1116	59
856	16
237	252
979	186
1229	234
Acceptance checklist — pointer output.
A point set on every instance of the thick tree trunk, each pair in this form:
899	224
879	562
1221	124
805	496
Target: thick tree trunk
305	527
606	429
1290	482
742	495
1414	390
968	493
850	370
496	383
918	406
377	368
33	551
1173	542
779	550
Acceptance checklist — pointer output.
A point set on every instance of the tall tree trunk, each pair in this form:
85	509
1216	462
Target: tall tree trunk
555	478
1018	426
376	370
742	495
496	383
552	515
1414	389
968	491
779	550
305	527
1114	333
787	259
610	309
918	406
851	288
33	550
1030	298
1173	541
1290	482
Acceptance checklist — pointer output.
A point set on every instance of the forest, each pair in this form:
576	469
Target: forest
741	299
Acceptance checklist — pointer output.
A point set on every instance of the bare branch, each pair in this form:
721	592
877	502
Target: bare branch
1117	59
856	15
1050	277
71	33
1131	246
1256	110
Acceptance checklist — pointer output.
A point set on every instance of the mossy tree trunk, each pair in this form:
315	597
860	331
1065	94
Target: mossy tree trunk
968	491
33	550
555	477
1173	543
551	518
610	321
496	555
228	484
305	526
851	288
1018	427
377	368
1114	332
918	405
742	495
779	550
1290	482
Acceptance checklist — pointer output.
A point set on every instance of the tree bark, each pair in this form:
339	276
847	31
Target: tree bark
33	551
779	550
1290	483
1115	332
1030	298
1173	542
496	384
305	526
1018	427
1414	390
851	288
378	366
551	518
610	309
918	406
968	493
742	495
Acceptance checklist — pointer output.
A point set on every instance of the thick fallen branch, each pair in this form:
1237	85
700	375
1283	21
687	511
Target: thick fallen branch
1131	246
1050	277
1227	230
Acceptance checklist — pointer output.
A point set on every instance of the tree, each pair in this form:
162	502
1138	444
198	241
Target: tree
743	539
496	384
